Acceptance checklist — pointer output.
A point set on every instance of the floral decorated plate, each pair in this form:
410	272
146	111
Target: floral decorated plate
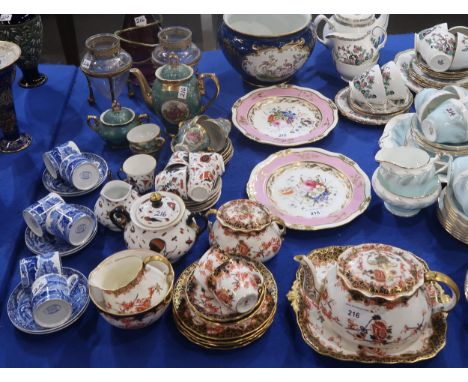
64	189
284	115
310	188
19	306
352	113
323	340
49	243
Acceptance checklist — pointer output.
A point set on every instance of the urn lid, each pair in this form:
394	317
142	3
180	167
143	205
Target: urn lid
244	215
380	270
117	115
157	210
174	70
355	19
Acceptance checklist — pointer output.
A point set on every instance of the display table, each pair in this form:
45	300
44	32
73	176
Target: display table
57	112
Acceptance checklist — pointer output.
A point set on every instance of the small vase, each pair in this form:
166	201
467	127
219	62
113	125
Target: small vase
12	141
26	32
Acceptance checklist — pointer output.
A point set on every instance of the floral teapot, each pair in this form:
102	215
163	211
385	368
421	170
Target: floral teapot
158	221
348	24
177	91
378	295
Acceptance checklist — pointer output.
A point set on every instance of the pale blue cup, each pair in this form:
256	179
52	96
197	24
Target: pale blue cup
35	215
70	224
448	123
33	267
51	302
459	182
53	158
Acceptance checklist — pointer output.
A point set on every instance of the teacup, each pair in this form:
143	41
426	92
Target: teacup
459	29
448	123
459	182
179	158
427	100
460	58
421	34
145	139
36	214
51	302
191	137
349	71
207	264
203	172
173	179
457	90
79	171
33	267
368	87
53	158
395	88
236	284
139	172
212	161
130	284
437	48
70	224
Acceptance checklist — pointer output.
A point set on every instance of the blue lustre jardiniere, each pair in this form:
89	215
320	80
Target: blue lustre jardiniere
267	49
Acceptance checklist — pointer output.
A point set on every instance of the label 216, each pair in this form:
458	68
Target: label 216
352	313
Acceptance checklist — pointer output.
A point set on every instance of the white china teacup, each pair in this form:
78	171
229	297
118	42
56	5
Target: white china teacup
460	58
437	48
207	264
139	172
368	87
395	88
145	138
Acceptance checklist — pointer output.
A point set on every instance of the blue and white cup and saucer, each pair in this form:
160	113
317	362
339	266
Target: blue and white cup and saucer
33	267
53	311
70	228
36	214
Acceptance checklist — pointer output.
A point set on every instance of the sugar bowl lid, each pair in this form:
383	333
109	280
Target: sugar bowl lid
174	70
244	215
117	115
380	270
355	19
157	210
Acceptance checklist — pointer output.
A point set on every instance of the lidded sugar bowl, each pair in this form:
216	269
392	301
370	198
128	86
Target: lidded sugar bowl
377	295
158	221
247	228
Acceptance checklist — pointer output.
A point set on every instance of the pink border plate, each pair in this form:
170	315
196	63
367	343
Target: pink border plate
357	200
324	106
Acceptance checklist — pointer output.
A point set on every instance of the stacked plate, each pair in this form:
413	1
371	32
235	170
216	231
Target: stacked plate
227	152
193	206
451	216
220	331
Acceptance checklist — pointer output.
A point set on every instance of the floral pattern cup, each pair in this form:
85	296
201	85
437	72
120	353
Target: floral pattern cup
460	58
207	264
203	172
139	170
173	179
368	88
395	88
236	284
437	48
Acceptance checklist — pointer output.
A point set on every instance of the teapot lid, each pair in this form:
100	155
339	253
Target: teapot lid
380	270
354	19
117	115
157	210
244	215
174	70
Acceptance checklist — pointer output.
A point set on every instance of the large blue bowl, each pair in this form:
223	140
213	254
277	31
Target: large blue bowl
267	49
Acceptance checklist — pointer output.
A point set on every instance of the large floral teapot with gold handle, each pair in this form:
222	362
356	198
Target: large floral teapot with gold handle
378	295
177	91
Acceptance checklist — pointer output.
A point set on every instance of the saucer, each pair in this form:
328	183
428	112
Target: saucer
49	243
19	306
342	102
323	340
403	62
397	132
64	189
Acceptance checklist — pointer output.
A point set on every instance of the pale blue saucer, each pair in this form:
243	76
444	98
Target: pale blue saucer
20	312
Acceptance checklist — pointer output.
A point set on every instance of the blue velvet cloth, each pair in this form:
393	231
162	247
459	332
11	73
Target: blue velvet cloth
57	112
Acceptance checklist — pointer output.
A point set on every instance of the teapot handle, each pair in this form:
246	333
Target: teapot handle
441	278
380	45
93	122
120	217
201	86
318	20
280	223
192	222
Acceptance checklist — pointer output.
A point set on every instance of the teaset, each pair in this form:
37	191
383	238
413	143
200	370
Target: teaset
369	302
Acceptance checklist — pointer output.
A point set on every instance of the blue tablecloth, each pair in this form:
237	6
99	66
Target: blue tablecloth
57	112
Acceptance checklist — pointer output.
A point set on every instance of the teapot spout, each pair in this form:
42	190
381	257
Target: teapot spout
304	260
382	21
144	86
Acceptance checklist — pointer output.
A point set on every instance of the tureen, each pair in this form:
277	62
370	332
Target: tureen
158	221
377	295
246	228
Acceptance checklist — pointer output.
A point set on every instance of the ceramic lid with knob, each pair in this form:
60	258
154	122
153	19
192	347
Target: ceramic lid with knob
380	270
117	115
157	210
174	70
355	19
244	215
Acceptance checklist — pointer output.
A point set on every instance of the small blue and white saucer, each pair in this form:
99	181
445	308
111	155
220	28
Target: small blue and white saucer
20	311
49	243
59	186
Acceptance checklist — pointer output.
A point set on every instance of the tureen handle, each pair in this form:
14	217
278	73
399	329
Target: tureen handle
201	86
120	217
444	306
93	122
280	224
192	222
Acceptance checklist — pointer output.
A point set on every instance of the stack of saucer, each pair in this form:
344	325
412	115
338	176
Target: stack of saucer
451	216
193	206
198	318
